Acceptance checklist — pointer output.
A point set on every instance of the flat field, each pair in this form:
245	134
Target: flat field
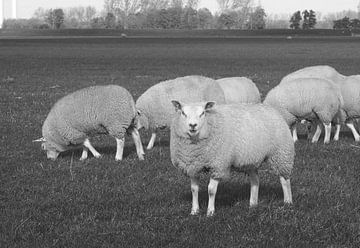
103	203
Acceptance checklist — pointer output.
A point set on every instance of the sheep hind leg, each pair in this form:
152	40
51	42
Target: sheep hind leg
294	133
254	188
84	154
286	187
151	142
212	188
195	196
354	132
337	132
327	133
137	140
317	133
88	145
119	149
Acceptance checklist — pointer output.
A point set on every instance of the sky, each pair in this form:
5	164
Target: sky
26	8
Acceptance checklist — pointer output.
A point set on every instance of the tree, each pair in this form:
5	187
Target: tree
355	23
343	23
189	18
122	9
110	21
205	18
306	15
227	20
312	19
257	19
295	20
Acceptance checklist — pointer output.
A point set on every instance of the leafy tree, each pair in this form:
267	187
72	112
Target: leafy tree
58	18
98	22
355	23
227	20
189	18
205	18
343	23
306	16
110	21
257	19
312	19
295	20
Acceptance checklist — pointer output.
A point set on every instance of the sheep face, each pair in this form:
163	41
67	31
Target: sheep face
142	121
192	116
51	151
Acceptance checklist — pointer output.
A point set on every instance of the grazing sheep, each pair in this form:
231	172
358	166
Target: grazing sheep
84	113
239	90
307	98
155	107
318	71
218	139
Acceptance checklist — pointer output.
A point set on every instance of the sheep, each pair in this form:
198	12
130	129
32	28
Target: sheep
318	71
154	104
108	109
217	139
239	90
307	98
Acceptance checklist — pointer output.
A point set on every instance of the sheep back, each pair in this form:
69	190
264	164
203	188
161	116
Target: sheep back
89	111
239	90
238	137
306	98
155	103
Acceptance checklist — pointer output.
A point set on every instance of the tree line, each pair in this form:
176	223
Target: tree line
148	14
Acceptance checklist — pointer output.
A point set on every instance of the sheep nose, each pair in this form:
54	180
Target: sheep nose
192	126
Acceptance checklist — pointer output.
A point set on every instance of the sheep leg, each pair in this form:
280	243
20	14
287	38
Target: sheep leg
212	188
195	196
354	132
137	140
286	187
254	188
88	145
119	148
84	154
152	141
337	132
294	133
327	133
317	133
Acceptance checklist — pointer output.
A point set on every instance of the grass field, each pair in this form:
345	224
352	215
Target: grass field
103	203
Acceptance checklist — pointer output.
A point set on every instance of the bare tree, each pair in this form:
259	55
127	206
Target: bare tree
146	5
122	9
192	4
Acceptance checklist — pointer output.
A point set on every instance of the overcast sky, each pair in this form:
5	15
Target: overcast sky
27	7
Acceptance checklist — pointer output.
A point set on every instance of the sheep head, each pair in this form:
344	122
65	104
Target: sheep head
52	152
192	117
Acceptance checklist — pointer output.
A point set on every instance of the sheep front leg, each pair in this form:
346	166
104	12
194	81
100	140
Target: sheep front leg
317	133
84	154
195	196
137	140
212	188
294	133
88	145
354	132
152	141
327	133
286	187
254	188
119	149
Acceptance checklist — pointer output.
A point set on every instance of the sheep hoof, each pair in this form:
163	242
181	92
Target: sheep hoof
118	159
83	158
141	157
97	155
210	213
194	212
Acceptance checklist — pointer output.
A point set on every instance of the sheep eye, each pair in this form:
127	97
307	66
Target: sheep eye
202	113
183	113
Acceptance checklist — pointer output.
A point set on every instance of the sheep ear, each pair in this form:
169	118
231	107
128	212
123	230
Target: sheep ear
209	105
42	139
177	105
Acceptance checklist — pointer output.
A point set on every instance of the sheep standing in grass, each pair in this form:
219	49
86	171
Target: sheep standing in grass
218	139
84	113
239	90
307	98
155	106
319	71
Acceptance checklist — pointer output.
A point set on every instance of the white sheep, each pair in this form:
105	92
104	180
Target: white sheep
218	139
307	98
154	105
239	90
319	71
87	112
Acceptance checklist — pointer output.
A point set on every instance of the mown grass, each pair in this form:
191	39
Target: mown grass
103	203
